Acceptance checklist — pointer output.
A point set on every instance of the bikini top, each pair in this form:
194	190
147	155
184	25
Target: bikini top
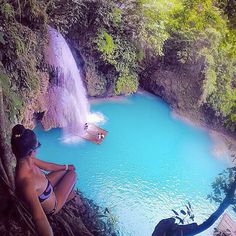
46	193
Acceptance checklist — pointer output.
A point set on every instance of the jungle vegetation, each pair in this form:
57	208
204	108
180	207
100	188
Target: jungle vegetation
115	38
121	35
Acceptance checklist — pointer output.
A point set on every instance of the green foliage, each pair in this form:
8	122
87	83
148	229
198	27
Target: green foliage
118	50
7	10
20	45
122	55
14	103
222	185
191	17
21	53
126	84
33	11
218	88
228	6
64	14
115	16
153	32
106	46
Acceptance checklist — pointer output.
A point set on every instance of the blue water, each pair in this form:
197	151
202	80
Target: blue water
148	164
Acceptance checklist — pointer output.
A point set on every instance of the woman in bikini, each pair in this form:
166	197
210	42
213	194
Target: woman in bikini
44	193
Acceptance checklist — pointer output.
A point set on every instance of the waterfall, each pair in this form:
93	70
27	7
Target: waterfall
68	106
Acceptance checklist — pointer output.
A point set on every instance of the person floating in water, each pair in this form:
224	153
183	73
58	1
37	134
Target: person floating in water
44	193
101	136
86	126
93	133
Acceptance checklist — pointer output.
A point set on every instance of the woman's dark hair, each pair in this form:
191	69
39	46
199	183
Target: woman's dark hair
23	141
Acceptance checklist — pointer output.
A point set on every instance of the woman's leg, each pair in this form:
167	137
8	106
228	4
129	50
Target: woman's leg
64	188
72	195
55	176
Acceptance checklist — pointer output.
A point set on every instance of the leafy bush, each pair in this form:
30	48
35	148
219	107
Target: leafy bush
218	88
106	46
7	10
126	84
14	101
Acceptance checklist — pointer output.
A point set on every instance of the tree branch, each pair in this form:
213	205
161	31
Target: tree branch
169	227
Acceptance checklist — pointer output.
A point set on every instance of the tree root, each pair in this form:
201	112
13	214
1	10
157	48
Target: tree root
79	217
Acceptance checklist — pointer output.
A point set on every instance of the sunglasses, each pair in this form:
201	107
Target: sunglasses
38	146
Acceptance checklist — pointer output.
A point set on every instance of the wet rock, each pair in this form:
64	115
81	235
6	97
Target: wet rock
96	85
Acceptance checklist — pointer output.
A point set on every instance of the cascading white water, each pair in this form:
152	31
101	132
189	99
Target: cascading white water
69	105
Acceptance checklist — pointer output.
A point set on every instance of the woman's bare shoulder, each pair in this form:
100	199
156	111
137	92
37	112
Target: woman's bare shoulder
23	174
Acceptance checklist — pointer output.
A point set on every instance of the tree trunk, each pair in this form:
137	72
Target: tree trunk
6	169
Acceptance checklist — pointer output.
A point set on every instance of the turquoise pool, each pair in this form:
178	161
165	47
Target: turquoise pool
148	164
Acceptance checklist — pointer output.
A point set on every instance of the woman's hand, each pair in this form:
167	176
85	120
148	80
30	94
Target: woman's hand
48	166
71	167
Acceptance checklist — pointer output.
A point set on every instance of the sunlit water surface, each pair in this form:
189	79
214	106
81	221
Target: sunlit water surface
148	164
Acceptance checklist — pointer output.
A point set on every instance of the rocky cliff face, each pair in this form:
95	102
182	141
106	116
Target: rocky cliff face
180	85
36	102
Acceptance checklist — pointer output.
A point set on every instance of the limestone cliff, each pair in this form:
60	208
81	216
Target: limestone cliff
180	85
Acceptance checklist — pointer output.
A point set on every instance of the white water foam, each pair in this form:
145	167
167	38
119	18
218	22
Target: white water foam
71	109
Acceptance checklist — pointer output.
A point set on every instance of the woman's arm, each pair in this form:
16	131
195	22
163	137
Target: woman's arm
51	166
29	194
